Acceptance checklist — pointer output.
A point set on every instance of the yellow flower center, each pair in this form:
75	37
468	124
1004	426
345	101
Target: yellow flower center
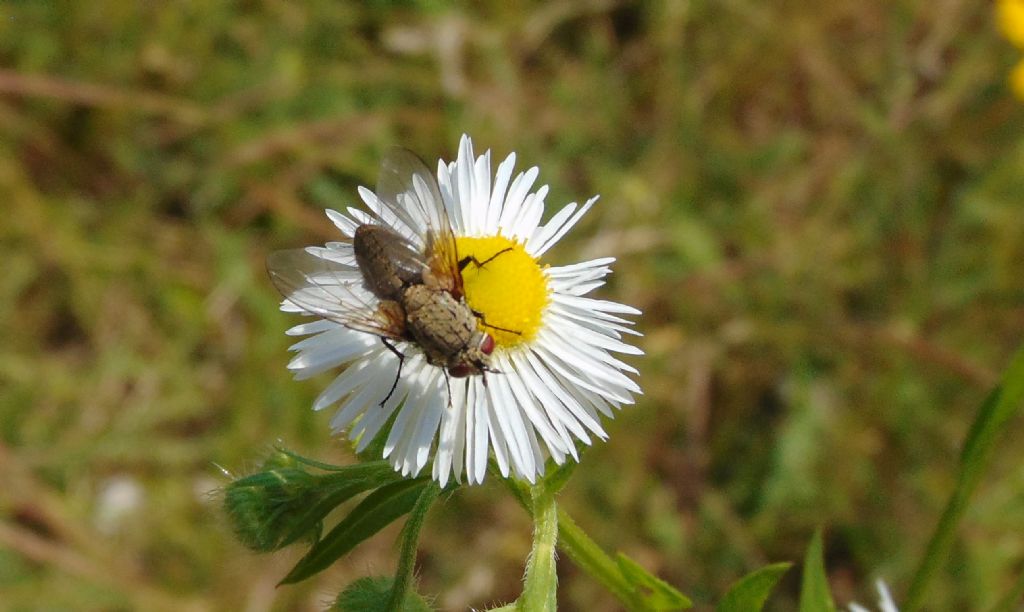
505	285
1010	16
1017	80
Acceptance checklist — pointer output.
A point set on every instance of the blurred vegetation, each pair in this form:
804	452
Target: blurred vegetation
817	206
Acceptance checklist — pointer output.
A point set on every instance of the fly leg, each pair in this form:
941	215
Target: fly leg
448	383
483	320
401	362
465	261
471	259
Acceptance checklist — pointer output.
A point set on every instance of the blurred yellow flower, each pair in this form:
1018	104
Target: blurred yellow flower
1010	15
1017	79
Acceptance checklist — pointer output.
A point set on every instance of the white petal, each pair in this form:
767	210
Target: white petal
497	201
322	354
313	327
516	195
565	228
450	441
464	181
497	436
525	395
578	412
346	225
480	405
481	194
510	417
525	224
590	304
545	232
426	429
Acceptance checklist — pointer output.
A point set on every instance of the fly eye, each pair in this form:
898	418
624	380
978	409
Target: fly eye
487	345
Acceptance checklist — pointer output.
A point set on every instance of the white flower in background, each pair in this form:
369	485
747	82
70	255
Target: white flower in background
885	602
545	380
118	500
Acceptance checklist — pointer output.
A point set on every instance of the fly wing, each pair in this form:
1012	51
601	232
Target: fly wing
382	252
330	290
409	190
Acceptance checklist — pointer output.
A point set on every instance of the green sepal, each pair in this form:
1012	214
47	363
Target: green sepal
378	510
815	595
655	593
281	505
558	475
371	594
749	593
262	507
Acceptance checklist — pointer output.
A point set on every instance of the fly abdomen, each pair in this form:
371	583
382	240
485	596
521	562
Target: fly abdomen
388	262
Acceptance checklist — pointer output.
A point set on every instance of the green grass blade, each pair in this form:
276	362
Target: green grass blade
815	595
999	407
749	593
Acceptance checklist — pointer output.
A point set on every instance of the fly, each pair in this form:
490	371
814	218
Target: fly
418	288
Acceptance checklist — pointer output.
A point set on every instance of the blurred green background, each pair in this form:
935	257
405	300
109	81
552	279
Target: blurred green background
816	205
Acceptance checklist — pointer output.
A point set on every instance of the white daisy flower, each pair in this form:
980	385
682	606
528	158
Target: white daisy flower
885	601
538	372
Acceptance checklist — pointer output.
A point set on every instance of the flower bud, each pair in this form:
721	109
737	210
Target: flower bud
267	509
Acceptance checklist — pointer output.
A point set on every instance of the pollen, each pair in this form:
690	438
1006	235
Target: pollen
505	286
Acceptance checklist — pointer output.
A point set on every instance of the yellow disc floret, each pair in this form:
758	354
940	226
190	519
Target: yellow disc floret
505	285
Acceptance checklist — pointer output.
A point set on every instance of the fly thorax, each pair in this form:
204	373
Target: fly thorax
416	297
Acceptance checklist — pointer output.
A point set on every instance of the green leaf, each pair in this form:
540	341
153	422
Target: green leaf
374	513
338	487
655	593
815	595
1002	404
371	594
749	593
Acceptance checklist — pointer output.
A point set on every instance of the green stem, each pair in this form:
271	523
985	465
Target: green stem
585	553
539	592
410	539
